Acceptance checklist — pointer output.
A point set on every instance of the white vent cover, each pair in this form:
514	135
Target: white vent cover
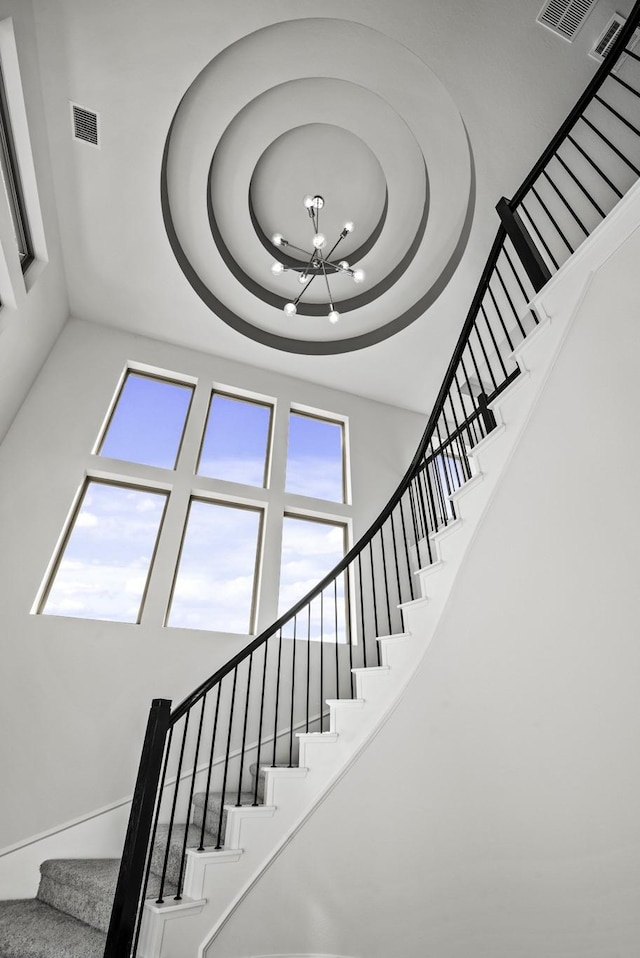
609	36
85	124
565	17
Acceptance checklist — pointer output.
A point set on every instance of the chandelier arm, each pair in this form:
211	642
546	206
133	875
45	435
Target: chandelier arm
301	294
326	279
298	248
339	240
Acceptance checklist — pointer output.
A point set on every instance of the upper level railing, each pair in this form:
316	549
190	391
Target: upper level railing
247	713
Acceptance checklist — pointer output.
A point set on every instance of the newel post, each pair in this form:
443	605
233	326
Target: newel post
134	856
528	253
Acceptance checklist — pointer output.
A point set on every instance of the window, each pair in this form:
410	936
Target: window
216	577
107	555
158	518
12	182
236	440
315	457
147	423
310	549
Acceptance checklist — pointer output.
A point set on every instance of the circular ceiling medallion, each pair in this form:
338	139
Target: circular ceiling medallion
336	109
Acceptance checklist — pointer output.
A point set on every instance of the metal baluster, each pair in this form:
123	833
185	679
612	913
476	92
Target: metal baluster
308	660
210	768
226	759
606	140
406	548
178	896
373	585
557	228
275	717
173	809
349	629
259	749
499	315
595	166
566	203
244	731
525	296
493	340
335	609
386	582
510	301
395	554
293	687
484	353
580	186
364	638
539	235
322	661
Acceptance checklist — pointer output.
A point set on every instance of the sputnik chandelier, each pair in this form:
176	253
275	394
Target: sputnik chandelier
319	264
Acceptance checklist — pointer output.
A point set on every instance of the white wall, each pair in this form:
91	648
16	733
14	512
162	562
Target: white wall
496	813
75	693
32	312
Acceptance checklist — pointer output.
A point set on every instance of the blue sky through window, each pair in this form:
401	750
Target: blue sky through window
310	549
148	421
236	440
314	458
214	584
105	564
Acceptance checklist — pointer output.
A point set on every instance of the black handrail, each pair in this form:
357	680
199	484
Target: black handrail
271	687
377	524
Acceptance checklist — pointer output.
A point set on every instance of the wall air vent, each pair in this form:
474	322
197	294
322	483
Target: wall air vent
565	17
85	125
609	36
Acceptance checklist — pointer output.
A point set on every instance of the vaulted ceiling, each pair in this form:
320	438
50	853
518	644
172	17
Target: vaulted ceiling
410	118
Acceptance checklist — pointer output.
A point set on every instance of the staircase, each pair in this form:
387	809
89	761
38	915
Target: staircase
203	825
70	916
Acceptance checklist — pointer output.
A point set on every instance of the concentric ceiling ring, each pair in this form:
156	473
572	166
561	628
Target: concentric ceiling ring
380	99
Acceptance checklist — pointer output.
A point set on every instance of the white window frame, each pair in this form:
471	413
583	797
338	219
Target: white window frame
183	484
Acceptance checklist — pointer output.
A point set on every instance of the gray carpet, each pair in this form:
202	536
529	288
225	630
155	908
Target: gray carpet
32	929
70	916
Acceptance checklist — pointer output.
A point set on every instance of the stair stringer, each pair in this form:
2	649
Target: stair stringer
325	757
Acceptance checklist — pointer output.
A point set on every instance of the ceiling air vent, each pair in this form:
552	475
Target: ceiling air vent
85	124
565	17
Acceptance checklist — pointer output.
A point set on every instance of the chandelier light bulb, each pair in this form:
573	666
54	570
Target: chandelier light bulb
277	268
308	201
349	227
290	309
302	278
358	275
334	316
343	264
319	241
317	202
277	239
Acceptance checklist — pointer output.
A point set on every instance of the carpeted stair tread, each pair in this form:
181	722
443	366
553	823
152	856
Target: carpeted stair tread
32	929
83	888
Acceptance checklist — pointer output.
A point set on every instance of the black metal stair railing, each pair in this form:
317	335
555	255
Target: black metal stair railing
209	749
